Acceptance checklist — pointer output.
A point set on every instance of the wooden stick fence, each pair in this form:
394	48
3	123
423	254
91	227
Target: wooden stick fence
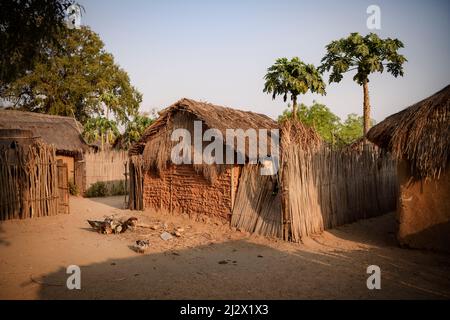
28	181
136	190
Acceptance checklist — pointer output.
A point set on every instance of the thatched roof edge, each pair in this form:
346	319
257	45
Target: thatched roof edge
419	134
213	116
65	133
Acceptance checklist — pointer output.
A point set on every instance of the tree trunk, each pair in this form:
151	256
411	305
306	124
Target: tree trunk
294	108
366	109
107	130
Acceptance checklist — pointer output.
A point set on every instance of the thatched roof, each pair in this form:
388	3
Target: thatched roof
155	144
63	132
419	134
212	116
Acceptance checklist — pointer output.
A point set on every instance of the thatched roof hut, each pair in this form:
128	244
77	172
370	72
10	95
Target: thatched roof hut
155	144
196	189
419	134
419	137
63	132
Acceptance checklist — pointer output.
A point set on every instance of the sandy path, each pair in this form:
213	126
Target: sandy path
34	255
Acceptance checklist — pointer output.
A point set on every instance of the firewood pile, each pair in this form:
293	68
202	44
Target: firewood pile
111	225
159	230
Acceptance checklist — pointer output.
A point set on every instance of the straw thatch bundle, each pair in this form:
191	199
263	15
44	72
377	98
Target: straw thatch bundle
156	145
419	134
295	133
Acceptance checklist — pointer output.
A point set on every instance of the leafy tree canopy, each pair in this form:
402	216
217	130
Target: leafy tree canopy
366	55
327	124
134	130
26	28
351	129
292	77
100	130
76	78
317	116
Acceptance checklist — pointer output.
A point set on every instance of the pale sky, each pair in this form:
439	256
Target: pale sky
219	51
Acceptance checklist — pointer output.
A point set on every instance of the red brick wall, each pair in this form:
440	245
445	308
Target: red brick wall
181	190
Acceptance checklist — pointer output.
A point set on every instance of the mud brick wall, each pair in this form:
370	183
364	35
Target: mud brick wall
179	189
424	210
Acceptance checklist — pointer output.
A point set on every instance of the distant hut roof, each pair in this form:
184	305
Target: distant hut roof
63	132
419	134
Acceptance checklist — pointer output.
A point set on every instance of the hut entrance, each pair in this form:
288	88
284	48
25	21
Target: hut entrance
63	187
136	189
257	207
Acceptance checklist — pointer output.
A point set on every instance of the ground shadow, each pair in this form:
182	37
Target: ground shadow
363	231
246	270
2	239
116	202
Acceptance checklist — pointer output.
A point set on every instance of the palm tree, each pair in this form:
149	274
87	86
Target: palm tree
102	129
366	55
292	77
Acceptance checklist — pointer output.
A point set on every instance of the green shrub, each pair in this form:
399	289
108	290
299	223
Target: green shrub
118	189
73	188
98	189
104	189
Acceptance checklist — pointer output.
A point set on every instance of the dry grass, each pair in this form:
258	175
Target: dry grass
419	134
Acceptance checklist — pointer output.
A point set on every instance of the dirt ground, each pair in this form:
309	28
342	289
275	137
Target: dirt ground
209	260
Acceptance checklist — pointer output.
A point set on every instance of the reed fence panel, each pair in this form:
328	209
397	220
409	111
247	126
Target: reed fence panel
105	166
327	188
257	206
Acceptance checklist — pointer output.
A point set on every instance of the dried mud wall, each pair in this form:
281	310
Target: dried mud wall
179	189
424	211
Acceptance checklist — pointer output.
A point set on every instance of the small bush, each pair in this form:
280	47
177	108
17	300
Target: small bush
98	189
73	188
118	189
104	189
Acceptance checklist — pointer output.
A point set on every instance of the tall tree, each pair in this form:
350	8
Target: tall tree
366	55
292	77
76	78
27	26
